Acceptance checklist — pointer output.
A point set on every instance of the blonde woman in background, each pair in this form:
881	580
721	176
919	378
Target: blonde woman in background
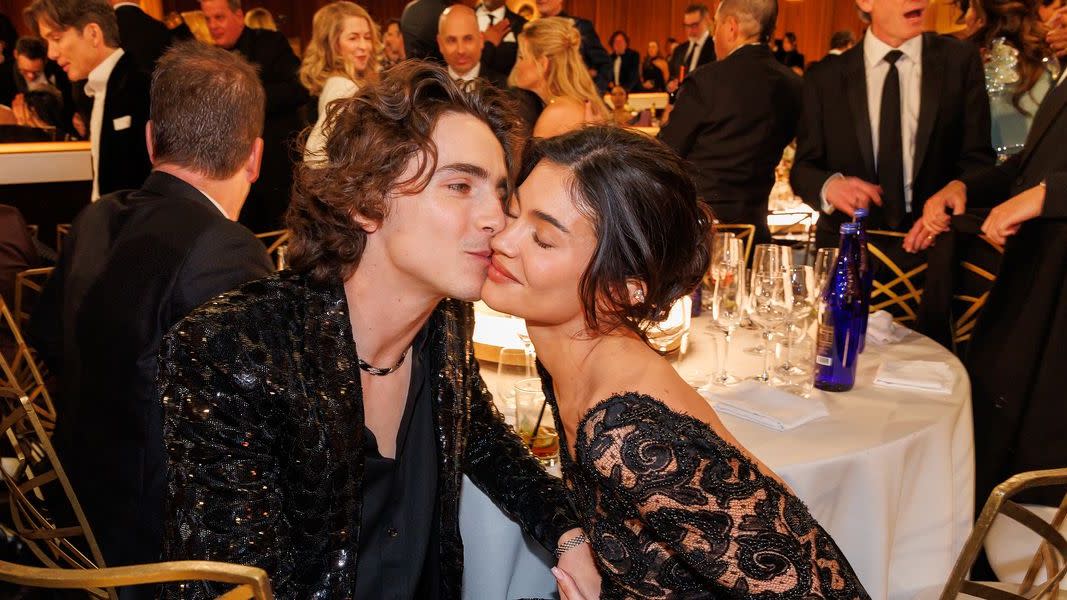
260	18
550	66
341	57
197	24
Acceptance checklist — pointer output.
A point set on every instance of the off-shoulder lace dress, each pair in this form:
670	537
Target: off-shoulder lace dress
674	511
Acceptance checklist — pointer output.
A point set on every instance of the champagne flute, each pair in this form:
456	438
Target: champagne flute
768	258
800	297
721	242
728	300
768	308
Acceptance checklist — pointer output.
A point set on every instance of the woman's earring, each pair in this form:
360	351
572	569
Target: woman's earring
639	295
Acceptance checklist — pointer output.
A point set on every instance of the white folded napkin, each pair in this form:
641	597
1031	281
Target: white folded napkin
767	406
882	329
923	375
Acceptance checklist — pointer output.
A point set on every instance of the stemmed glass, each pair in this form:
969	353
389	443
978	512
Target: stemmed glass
825	260
768	307
722	241
800	297
767	258
727	298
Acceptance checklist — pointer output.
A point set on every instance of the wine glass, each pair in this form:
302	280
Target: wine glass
534	421
801	299
728	300
768	308
825	261
512	366
768	258
722	242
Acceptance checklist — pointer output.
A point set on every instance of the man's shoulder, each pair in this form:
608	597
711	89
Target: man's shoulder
952	49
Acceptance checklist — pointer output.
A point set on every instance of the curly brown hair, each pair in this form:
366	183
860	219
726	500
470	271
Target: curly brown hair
371	140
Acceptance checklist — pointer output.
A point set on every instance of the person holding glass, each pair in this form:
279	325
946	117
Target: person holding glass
604	234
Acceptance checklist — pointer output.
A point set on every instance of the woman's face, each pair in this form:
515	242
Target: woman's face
356	44
542	253
653	49
529	72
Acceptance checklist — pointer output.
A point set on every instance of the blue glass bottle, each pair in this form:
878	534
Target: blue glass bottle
836	344
866	275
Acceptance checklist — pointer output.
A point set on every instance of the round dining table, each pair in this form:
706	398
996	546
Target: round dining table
889	473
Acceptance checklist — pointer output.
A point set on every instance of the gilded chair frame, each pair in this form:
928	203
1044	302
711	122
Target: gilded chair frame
963	326
250	583
1050	555
36	465
62	231
884	294
744	232
30	280
21	371
277	243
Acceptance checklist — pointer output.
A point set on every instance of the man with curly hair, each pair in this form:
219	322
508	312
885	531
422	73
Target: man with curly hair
319	422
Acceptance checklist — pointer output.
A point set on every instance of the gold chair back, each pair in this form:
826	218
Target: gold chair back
21	371
32	471
28	287
971	305
277	243
1051	555
896	289
743	232
249	583
62	231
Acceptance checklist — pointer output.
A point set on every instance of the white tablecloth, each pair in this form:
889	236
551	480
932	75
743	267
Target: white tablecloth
889	474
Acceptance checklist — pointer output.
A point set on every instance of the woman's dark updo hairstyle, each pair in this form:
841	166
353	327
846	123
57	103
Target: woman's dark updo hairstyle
649	224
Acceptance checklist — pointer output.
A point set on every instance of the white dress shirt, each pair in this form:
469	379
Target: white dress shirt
96	88
696	47
498	15
910	72
468	76
617	68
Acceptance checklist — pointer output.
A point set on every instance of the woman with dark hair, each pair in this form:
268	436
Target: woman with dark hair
604	234
1019	65
654	70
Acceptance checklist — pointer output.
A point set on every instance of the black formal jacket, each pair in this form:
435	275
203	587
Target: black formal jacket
502	58
143	38
264	429
1016	358
418	24
17	251
629	70
593	52
124	160
136	262
834	135
677	61
731	121
278	69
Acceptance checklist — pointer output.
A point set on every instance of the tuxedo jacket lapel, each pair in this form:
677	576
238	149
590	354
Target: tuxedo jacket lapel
1050	108
855	84
930	100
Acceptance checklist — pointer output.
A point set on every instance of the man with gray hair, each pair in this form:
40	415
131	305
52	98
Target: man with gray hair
734	116
137	262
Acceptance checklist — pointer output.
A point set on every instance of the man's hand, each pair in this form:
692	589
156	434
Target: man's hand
576	572
1057	35
1004	220
496	32
672	86
22	113
951	197
846	194
920	237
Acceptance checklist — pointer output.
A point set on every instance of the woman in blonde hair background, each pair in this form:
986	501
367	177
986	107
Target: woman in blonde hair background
550	66
260	18
341	57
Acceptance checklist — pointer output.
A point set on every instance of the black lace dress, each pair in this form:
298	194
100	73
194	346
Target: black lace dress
674	511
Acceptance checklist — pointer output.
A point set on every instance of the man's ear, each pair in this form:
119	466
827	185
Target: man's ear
148	142
367	225
255	159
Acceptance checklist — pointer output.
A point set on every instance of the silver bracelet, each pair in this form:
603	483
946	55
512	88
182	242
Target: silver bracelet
570	544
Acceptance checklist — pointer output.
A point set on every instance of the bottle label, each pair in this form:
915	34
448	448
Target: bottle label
824	345
825	361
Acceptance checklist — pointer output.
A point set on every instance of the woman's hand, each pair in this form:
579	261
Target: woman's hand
576	572
1004	220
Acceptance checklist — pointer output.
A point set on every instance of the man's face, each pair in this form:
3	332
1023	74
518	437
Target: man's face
225	24
895	21
460	41
695	25
438	238
549	8
492	5
394	41
32	70
75	51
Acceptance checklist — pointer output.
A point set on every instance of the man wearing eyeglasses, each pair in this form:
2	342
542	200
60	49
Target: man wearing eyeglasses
698	48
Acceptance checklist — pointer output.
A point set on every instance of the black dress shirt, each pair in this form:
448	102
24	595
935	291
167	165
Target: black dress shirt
398	529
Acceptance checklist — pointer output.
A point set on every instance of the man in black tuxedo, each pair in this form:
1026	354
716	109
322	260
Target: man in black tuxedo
30	71
890	122
136	263
501	27
278	68
460	43
418	23
734	117
1016	359
625	62
90	52
143	37
698	49
593	52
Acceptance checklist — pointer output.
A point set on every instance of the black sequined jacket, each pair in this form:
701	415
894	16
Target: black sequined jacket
264	431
